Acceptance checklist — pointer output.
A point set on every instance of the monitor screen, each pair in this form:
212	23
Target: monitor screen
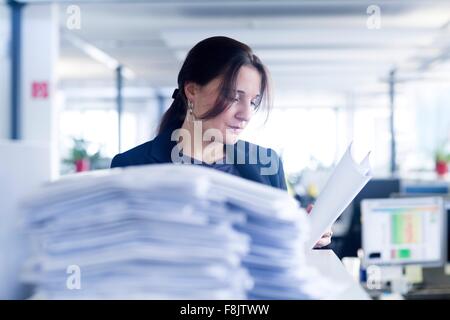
404	231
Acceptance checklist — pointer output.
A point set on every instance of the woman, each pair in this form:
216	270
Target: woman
220	86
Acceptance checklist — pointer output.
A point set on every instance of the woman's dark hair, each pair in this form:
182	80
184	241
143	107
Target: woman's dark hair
208	59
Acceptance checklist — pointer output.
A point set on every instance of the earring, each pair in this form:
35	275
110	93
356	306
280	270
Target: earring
191	110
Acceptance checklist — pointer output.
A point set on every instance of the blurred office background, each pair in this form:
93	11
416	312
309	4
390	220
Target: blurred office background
85	80
330	62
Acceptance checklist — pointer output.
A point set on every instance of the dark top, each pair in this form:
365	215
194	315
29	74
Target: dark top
249	160
219	165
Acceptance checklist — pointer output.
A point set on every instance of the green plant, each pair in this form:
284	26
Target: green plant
441	156
442	151
79	151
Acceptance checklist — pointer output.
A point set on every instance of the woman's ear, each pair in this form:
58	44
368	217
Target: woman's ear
190	90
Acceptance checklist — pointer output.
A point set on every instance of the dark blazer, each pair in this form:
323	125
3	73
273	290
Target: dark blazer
160	148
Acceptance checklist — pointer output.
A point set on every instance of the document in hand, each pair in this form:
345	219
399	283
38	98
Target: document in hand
346	181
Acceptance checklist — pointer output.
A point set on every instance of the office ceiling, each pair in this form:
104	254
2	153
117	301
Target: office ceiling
309	46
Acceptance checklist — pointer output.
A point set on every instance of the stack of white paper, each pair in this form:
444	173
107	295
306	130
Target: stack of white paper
134	236
168	232
278	229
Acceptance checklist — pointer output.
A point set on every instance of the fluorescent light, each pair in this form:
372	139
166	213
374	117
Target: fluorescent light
98	54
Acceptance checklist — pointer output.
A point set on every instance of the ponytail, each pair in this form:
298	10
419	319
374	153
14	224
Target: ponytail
174	117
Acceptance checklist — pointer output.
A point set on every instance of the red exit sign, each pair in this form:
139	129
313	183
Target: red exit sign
39	90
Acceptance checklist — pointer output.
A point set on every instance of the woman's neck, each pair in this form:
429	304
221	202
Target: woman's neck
196	148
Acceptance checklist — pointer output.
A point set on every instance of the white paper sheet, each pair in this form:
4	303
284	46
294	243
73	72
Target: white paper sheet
346	181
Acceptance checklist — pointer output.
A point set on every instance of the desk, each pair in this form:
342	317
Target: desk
329	265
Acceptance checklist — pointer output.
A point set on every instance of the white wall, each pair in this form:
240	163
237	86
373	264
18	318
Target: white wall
24	166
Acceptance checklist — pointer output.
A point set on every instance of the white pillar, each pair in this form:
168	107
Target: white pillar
40	49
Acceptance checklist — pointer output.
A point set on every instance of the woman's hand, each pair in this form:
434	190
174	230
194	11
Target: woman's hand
326	237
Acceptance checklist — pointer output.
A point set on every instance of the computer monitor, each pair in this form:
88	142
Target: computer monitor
347	245
427	187
404	231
